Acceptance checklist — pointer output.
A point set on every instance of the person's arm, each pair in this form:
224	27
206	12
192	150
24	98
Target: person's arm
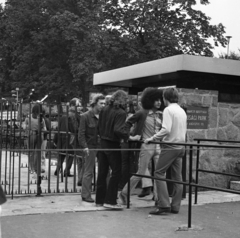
56	135
119	126
132	120
166	127
82	132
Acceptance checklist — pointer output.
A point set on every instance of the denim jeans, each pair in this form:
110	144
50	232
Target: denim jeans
170	157
89	163
147	152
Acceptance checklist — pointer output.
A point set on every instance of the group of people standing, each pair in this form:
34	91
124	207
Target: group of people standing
147	125
101	133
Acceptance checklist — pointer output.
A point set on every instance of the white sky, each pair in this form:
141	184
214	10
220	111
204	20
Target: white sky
225	12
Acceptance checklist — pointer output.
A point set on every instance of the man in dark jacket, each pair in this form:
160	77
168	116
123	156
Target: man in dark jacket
111	131
147	122
67	138
88	140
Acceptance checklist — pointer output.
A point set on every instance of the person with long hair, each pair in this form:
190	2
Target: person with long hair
148	122
111	130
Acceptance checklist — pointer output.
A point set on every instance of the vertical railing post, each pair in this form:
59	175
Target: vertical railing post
20	144
39	144
128	182
68	135
190	189
197	172
1	142
59	136
29	142
49	147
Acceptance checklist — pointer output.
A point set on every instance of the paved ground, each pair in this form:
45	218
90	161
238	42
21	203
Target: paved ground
65	215
220	220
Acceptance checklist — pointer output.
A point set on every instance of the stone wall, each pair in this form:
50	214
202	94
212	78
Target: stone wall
224	124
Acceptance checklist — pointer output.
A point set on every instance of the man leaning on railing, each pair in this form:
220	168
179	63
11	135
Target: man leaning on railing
173	130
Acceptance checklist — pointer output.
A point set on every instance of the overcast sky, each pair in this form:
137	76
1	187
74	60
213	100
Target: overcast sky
225	12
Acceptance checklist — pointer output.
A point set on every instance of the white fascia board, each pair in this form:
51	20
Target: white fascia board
211	65
156	67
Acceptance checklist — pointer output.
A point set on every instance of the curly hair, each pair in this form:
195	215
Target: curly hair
119	99
149	96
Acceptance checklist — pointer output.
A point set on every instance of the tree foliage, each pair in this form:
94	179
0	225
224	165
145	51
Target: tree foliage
55	46
232	55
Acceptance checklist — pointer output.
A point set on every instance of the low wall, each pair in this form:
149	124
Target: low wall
223	124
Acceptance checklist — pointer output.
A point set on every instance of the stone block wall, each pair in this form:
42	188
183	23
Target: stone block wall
223	124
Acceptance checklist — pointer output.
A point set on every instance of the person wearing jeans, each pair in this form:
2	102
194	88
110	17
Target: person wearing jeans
173	130
147	122
88	140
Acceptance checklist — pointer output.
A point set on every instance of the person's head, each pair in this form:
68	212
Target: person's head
151	99
107	98
98	102
130	108
170	95
35	110
135	106
119	99
74	104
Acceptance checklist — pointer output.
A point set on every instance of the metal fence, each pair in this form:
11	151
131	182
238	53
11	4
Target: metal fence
17	149
190	183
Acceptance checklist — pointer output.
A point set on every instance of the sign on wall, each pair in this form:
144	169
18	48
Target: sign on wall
197	118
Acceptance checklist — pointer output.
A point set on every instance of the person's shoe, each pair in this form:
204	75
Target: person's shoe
114	207
145	192
161	211
79	183
174	211
90	200
55	173
69	175
123	198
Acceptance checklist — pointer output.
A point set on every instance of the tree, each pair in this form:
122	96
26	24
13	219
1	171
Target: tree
232	55
55	46
152	29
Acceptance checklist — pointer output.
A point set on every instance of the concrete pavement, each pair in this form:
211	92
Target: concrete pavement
25	205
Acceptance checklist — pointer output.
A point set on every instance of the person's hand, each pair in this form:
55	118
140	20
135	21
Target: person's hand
135	138
86	151
148	140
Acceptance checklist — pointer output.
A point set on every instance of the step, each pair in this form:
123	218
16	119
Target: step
235	185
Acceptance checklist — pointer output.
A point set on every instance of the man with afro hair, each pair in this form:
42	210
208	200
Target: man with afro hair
147	123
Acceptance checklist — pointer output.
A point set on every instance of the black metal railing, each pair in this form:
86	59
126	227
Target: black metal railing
209	171
190	182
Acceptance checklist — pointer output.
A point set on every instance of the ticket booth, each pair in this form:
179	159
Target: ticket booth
219	78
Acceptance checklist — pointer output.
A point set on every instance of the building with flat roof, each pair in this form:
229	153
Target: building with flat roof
209	89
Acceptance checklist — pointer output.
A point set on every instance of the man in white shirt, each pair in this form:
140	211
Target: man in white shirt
173	130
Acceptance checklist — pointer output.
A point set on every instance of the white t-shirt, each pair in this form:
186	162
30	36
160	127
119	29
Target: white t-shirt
174	126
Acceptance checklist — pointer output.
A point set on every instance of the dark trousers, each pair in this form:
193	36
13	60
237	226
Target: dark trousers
69	161
129	162
106	159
